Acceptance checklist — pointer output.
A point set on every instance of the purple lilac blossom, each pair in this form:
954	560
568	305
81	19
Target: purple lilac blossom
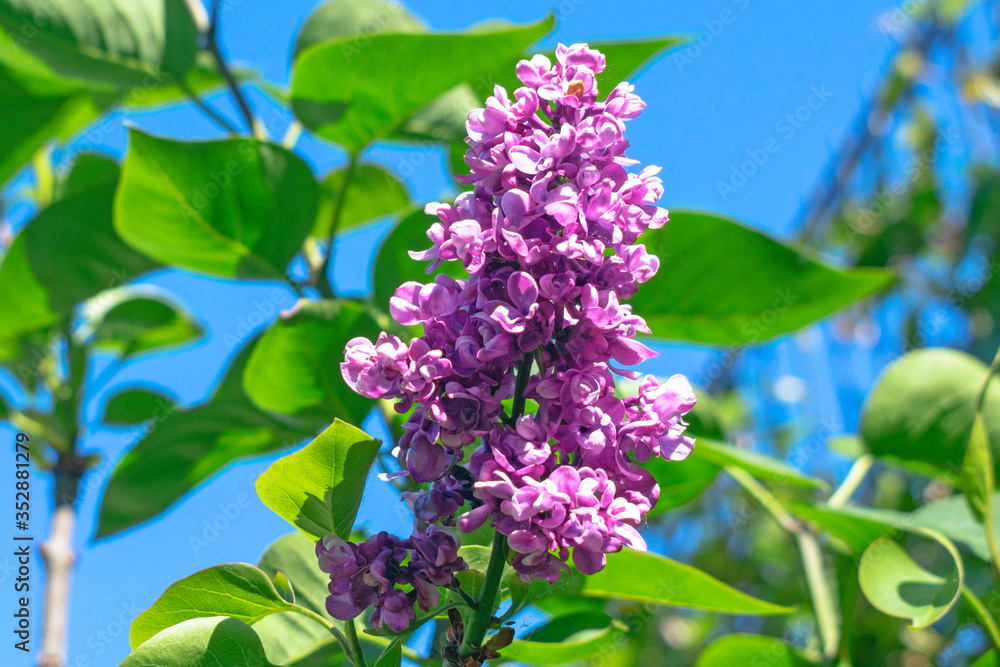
548	239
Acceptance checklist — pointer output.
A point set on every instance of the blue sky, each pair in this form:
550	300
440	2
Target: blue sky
709	108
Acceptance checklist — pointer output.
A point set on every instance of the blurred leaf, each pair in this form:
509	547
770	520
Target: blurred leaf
725	284
237	590
858	527
394	266
134	406
897	586
921	409
36	109
318	489
976	480
680	481
760	466
354	18
652	579
232	208
185	448
295	367
130	323
988	659
219	641
68	253
749	650
577	646
121	42
984	211
390	76
372	193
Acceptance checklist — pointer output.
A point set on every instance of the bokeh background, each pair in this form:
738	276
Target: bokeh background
710	106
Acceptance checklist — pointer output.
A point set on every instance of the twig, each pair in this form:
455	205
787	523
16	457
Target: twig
220	61
321	276
812	560
855	476
480	621
214	115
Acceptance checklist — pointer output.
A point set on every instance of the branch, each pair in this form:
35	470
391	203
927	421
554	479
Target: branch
220	61
58	558
480	621
321	277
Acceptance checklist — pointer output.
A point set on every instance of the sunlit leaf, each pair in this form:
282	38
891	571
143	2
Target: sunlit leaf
318	488
219	641
897	586
352	93
921	410
237	590
726	284
234	208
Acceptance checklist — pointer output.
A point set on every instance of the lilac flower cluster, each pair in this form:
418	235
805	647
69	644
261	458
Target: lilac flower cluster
370	574
548	239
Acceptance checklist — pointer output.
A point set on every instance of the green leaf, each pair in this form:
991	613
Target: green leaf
988	659
284	587
119	42
652	579
372	193
183	449
726	284
202	642
443	120
295	367
134	406
232	208
897	586
680	481
68	253
740	649
290	637
354	18
36	108
392	656
858	527
394	266
318	489
921	411
130	323
237	590
391	76
760	466
578	646
976	480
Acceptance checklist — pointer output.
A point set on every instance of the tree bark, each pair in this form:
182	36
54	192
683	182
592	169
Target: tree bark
58	558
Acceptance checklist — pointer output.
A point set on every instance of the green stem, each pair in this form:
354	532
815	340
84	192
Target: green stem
358	657
322	277
337	634
980	609
812	560
480	621
853	480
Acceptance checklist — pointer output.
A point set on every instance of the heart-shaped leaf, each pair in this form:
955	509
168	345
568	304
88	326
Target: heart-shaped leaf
318	488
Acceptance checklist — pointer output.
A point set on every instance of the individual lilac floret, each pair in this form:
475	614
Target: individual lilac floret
548	238
372	573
